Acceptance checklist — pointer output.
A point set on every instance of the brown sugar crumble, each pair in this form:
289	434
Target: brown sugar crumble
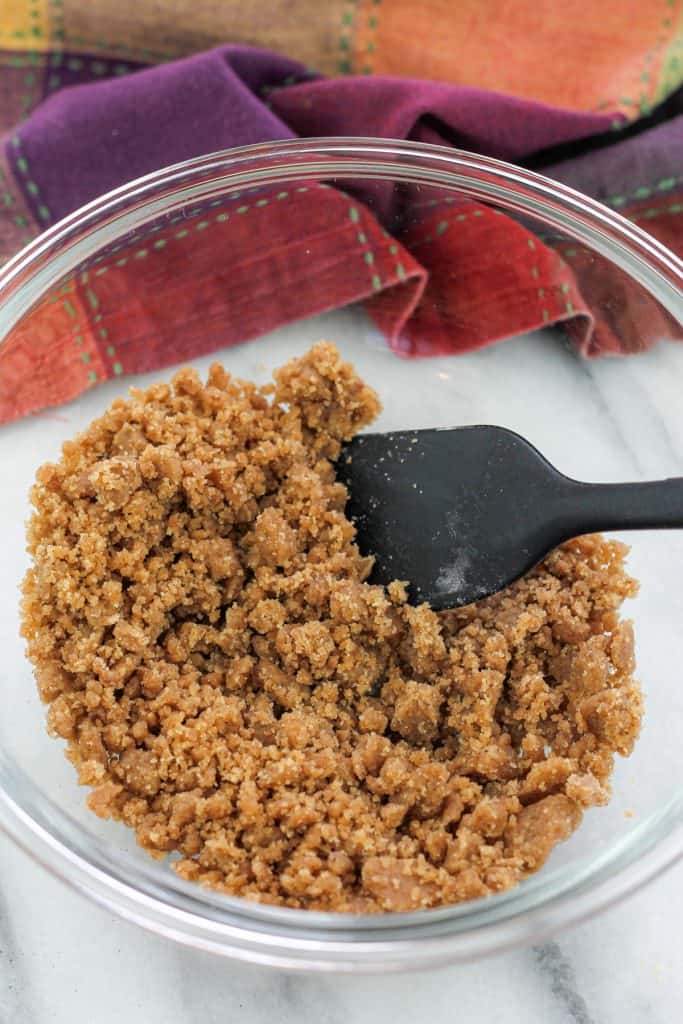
233	689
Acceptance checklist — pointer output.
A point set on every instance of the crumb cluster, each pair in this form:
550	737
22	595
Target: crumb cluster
233	689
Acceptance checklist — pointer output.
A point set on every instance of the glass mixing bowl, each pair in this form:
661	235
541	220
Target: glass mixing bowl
536	385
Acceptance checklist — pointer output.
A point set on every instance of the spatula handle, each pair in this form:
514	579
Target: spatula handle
587	508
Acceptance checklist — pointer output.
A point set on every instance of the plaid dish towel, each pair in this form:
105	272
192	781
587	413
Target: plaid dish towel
92	95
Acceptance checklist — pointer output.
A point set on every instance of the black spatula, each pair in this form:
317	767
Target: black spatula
461	513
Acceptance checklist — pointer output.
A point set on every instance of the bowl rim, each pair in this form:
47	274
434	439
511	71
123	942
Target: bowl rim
285	937
641	255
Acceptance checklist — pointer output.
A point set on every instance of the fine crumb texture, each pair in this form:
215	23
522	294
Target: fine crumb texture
231	688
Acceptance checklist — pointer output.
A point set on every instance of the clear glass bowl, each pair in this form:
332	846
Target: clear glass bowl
536	385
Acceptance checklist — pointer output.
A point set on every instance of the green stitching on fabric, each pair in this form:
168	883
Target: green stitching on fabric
267	90
102	332
670	70
27	100
57	18
70	309
8	200
443	225
95	67
58	32
34	13
643	191
642	104
371	44
31	186
658	212
31	59
345	63
160	243
368	255
440	229
540	292
434	202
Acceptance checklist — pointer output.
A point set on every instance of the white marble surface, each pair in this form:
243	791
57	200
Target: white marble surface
65	960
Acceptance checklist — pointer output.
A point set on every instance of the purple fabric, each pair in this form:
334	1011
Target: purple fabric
88	139
619	171
396	108
91	138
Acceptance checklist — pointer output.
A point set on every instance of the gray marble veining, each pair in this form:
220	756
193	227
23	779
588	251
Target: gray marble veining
556	970
80	964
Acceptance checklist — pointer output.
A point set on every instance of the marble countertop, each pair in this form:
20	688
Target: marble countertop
65	960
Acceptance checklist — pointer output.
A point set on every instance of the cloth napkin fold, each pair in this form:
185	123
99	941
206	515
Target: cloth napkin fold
439	274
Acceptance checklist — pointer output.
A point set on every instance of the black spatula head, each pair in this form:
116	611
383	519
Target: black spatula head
458	513
461	513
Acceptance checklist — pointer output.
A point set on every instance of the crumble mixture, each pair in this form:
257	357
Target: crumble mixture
231	688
